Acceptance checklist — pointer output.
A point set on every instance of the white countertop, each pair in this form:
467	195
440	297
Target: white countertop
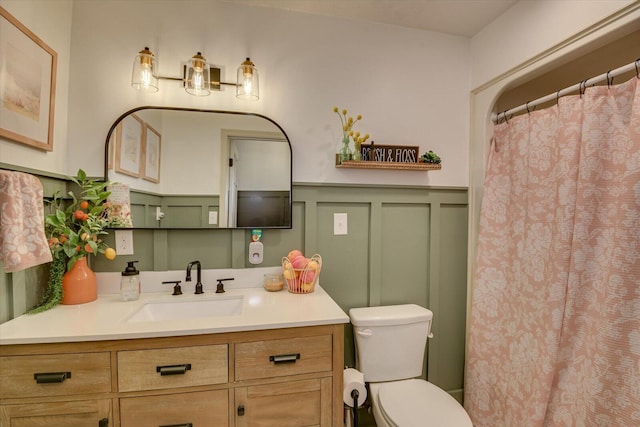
106	318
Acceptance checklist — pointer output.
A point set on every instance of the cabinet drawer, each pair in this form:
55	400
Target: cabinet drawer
206	408
273	358
68	414
172	367
55	374
288	404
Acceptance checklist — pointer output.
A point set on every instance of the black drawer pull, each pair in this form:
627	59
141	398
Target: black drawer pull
179	425
284	358
174	370
240	410
51	377
103	422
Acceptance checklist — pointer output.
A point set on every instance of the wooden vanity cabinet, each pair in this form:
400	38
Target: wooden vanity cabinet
281	377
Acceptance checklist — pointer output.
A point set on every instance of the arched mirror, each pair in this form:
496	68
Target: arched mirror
188	168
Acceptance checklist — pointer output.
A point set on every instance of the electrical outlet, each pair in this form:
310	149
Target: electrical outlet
124	242
213	217
339	224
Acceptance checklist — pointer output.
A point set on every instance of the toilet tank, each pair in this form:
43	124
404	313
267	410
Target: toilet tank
390	340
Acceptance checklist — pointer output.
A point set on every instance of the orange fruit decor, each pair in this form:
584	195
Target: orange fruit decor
110	254
301	280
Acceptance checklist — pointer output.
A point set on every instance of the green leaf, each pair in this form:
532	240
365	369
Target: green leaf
71	263
73	196
74	238
94	246
69	250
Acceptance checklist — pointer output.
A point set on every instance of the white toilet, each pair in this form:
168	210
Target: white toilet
390	345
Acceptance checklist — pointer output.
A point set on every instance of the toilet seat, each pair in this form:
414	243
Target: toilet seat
419	403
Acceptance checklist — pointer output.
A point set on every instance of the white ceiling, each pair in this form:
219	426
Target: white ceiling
458	17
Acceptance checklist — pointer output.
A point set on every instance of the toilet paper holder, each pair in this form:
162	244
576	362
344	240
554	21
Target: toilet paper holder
355	394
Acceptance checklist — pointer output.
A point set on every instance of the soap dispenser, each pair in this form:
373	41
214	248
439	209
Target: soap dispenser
130	282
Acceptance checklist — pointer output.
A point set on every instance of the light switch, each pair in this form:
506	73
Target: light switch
339	224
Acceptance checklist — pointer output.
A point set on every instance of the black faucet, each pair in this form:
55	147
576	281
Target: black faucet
188	278
220	286
176	288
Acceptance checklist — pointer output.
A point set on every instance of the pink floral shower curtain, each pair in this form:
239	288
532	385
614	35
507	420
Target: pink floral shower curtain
555	318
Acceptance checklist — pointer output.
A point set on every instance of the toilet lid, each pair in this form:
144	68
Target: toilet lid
419	403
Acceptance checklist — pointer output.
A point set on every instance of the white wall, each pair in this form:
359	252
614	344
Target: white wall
191	152
259	166
528	29
411	86
51	22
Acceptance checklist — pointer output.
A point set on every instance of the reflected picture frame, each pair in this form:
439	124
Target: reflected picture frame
112	149
128	159
27	86
151	153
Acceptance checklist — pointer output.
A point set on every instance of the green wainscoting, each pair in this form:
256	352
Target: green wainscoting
183	211
404	245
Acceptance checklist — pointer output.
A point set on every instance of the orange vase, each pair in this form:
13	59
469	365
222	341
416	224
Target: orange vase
79	284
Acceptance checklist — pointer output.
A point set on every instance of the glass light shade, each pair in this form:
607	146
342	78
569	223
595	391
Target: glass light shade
247	86
145	72
198	80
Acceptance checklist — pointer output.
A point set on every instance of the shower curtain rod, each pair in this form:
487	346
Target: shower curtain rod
608	76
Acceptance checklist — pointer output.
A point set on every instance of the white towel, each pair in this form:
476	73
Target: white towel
23	243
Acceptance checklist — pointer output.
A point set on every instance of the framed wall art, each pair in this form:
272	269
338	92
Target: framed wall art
151	154
27	85
129	146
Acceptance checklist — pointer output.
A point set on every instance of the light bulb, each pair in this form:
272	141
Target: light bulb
197	80
247	86
145	76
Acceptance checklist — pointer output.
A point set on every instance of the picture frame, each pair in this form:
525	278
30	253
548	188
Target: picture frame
28	86
128	159
112	149
151	154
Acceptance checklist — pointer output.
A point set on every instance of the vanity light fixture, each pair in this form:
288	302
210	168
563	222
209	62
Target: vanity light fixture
145	71
198	77
247	87
197	81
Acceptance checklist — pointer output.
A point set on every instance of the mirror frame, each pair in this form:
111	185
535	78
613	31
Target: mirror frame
113	127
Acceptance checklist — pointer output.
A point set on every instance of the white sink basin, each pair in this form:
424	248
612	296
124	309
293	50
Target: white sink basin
187	309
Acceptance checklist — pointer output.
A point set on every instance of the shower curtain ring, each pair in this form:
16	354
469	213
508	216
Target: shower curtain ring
582	88
527	107
636	65
558	97
609	80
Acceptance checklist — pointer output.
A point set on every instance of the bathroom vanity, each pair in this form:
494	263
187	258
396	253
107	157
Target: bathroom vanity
278	362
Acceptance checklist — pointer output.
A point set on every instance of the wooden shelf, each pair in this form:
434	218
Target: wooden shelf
360	164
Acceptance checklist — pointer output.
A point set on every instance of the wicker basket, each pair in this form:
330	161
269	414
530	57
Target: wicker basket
302	280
